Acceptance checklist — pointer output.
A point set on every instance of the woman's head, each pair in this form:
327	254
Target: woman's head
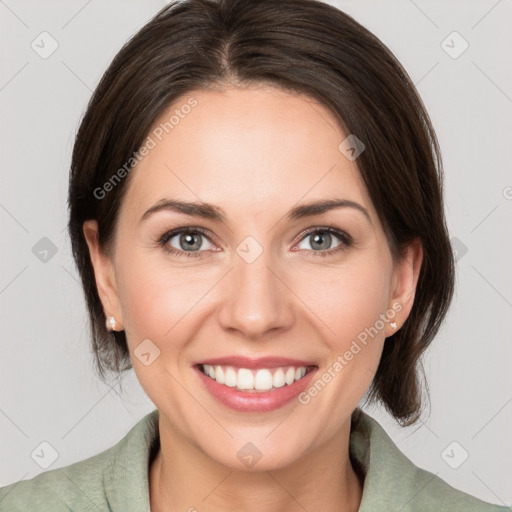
260	108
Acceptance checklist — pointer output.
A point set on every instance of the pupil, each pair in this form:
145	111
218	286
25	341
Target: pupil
188	240
320	236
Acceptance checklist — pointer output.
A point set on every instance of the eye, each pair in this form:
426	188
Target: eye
321	240
186	242
191	242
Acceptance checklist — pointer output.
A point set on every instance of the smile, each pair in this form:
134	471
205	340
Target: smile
262	379
254	385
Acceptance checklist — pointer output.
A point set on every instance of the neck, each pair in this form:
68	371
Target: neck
182	478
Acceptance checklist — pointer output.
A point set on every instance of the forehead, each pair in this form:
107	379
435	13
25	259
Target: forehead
257	148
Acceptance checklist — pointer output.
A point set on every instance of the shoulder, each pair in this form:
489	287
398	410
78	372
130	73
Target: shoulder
427	492
393	482
74	487
63	489
104	481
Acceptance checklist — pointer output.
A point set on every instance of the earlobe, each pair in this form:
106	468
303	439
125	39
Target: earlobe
103	273
405	280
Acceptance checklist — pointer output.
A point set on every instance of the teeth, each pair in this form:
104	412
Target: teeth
278	378
245	379
263	379
219	375
230	377
300	372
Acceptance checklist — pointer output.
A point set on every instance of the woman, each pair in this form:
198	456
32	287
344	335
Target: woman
257	217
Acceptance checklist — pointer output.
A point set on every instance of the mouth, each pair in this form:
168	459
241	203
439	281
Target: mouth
255	380
249	385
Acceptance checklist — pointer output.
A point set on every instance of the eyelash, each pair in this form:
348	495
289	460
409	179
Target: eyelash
344	238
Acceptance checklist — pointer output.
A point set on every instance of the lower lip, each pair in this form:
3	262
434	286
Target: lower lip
255	401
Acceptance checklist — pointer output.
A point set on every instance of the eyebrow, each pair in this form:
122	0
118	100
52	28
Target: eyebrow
215	213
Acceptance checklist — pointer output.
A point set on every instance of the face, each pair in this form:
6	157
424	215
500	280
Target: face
258	294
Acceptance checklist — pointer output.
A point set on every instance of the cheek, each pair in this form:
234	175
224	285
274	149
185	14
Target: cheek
348	302
161	306
348	298
154	299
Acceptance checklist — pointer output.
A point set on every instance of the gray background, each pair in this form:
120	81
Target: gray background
48	389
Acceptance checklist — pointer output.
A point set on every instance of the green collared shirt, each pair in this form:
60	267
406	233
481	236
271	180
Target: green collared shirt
116	480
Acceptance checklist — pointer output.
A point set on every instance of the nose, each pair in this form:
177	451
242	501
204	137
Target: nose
257	299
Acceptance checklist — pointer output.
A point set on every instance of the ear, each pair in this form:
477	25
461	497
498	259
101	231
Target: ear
103	273
405	279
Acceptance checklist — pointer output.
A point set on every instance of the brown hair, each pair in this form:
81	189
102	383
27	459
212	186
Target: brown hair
302	46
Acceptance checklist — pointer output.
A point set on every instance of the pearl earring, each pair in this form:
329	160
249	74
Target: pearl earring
111	323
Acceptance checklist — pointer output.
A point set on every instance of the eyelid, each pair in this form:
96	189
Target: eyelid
186	229
345	239
329	228
342	235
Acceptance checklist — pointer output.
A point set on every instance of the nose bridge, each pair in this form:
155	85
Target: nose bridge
256	300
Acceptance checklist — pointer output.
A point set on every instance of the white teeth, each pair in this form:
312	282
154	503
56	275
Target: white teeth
290	376
260	380
230	378
245	379
263	380
278	378
219	374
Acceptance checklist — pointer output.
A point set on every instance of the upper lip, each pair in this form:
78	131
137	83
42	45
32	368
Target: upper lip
260	362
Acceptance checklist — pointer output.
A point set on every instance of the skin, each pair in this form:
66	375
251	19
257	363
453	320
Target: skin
270	150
